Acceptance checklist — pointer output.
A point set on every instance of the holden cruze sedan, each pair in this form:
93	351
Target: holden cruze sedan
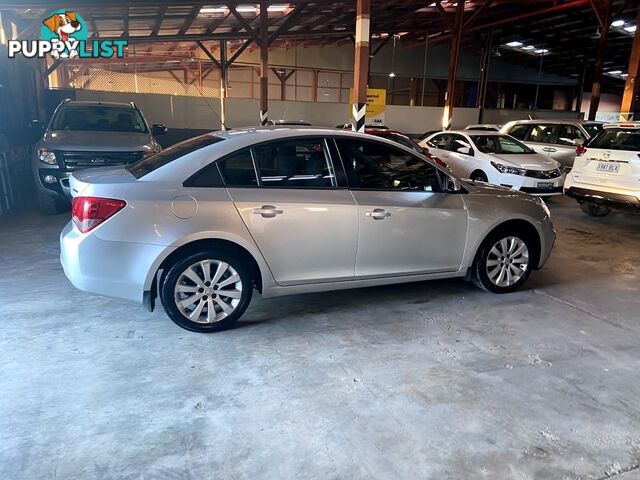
290	210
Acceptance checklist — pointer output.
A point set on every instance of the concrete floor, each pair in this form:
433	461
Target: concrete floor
430	380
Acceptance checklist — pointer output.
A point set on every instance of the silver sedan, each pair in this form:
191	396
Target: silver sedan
203	224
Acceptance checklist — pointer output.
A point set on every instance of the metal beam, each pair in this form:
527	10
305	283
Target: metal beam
238	52
209	54
245	24
630	101
454	51
604	16
223	84
484	75
361	64
287	23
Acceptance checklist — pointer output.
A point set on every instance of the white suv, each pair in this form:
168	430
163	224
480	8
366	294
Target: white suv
606	172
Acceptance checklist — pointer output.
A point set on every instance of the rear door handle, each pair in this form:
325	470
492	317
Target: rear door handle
549	149
267	211
378	214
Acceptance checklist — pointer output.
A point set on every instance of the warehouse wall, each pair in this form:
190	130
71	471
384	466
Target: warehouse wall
196	112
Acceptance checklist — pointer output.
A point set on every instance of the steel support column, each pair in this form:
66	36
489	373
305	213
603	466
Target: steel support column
604	17
224	68
361	64
484	75
264	63
447	116
630	101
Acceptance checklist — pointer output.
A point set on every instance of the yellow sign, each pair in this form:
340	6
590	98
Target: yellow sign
376	105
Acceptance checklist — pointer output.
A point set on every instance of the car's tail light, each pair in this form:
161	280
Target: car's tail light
581	150
89	212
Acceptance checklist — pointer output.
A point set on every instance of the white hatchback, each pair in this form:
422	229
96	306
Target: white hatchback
497	158
606	172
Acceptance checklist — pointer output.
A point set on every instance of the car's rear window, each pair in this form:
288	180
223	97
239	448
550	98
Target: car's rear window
617	139
593	128
147	165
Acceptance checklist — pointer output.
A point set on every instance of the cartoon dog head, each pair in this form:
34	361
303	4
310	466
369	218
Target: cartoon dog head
63	24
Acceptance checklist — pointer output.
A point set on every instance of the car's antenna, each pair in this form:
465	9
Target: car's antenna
222	125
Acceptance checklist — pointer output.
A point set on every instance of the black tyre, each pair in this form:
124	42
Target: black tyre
595	210
503	262
51	205
207	291
479	177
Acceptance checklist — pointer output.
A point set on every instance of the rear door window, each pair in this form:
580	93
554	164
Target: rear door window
519	131
568	133
544	133
439	141
302	162
237	169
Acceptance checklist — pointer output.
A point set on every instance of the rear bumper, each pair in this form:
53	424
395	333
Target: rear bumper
610	199
113	269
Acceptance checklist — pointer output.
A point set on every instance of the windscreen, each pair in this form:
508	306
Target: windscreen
617	139
99	118
147	165
499	144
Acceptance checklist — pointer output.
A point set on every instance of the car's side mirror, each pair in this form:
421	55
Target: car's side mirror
465	150
159	129
578	142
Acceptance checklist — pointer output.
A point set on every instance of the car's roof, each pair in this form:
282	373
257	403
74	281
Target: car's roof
475	132
255	134
553	120
633	125
93	103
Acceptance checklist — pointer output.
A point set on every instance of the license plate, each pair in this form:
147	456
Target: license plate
545	185
608	167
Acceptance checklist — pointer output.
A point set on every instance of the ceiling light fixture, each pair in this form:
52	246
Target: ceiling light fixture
514	44
615	72
542	51
528	47
617	23
630	29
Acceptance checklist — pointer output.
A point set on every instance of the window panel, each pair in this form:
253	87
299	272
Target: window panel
237	169
544	133
439	141
519	131
375	166
294	163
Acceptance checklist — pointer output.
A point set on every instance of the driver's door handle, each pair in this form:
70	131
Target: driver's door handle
267	211
549	149
378	214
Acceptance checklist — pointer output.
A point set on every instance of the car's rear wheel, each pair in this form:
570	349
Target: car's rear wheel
504	262
595	210
207	291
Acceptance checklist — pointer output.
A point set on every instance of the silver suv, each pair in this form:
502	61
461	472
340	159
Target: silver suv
290	210
556	139
85	135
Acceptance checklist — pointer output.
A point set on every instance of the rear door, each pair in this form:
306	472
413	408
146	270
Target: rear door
406	224
612	159
437	146
565	144
289	195
462	164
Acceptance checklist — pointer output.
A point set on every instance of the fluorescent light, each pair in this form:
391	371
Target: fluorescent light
542	51
213	10
630	29
617	23
278	8
624	75
392	74
514	44
615	72
528	47
246	8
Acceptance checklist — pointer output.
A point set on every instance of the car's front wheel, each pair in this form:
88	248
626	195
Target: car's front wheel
207	291
503	263
595	210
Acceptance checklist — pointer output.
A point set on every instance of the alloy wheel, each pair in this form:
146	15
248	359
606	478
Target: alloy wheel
208	291
507	261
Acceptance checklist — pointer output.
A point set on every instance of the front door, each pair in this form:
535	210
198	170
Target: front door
407	225
303	223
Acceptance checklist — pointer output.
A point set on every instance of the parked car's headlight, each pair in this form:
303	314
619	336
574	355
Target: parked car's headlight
47	156
507	169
